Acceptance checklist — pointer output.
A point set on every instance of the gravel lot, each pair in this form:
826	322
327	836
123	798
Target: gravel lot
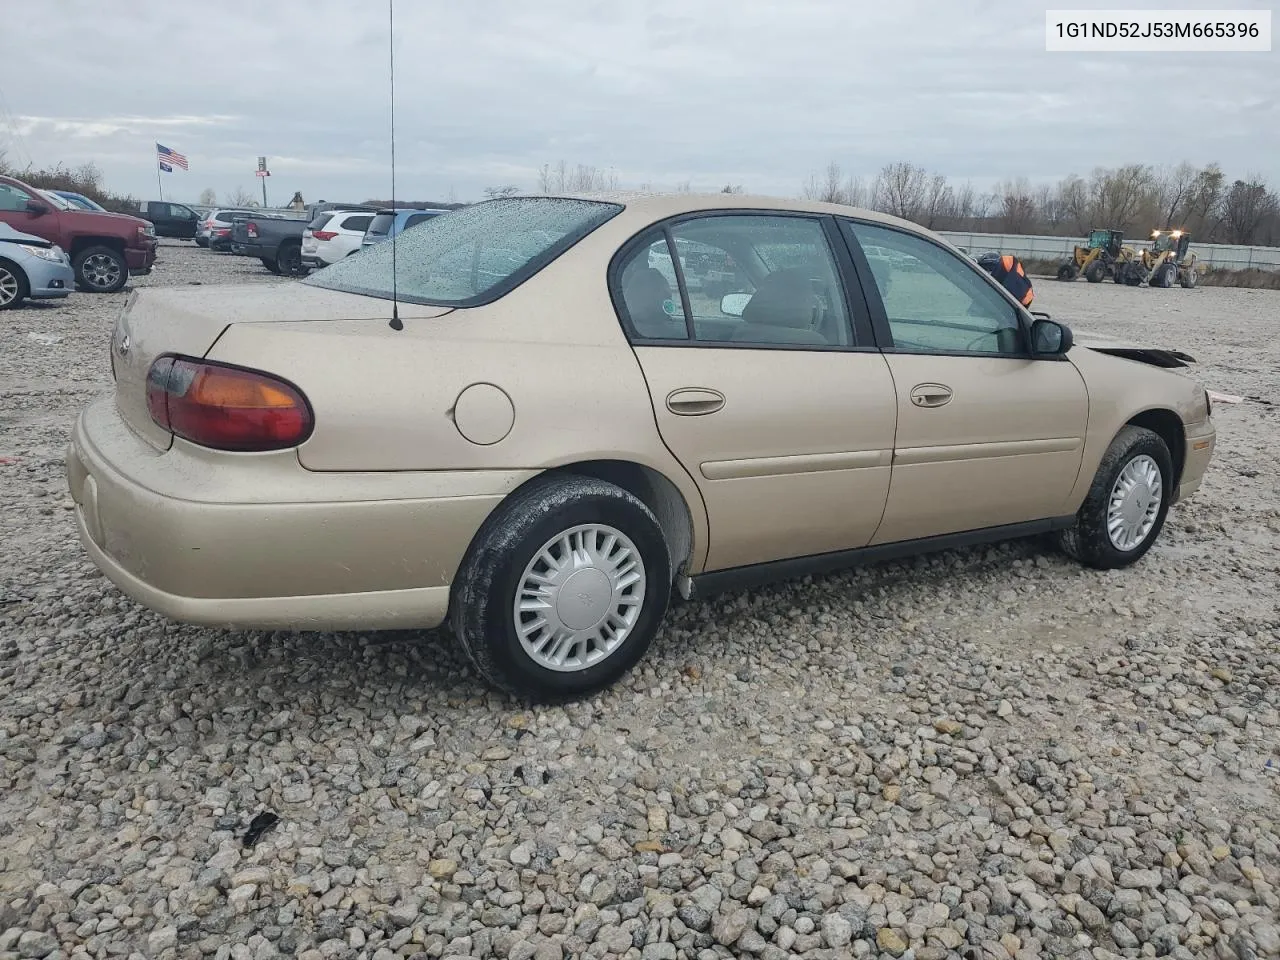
984	754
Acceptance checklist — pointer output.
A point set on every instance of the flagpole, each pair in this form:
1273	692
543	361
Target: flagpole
159	183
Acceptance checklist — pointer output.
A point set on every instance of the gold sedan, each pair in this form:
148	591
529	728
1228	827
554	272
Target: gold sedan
534	417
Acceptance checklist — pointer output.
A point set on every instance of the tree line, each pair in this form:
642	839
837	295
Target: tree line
1135	198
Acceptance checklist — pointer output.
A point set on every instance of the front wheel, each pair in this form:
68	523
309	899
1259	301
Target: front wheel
1127	503
100	270
1068	271
1097	272
13	285
563	589
1188	278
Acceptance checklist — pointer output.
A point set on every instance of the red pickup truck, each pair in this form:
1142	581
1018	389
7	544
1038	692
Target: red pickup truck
105	248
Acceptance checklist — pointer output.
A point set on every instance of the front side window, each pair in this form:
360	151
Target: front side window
748	280
471	255
13	199
935	301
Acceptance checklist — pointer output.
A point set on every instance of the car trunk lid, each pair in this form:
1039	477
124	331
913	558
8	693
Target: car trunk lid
186	321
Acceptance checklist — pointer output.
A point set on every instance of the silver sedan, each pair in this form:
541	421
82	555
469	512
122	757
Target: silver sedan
31	267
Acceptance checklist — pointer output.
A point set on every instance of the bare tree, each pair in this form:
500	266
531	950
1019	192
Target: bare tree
900	190
1247	204
1119	195
1204	205
1174	190
832	186
208	197
1016	205
507	190
732	188
1073	202
939	202
581	178
963	204
684	186
240	197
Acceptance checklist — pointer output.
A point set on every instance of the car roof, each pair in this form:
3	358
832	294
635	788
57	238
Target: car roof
660	206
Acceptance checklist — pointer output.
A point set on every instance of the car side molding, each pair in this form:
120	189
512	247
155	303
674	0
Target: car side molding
758	574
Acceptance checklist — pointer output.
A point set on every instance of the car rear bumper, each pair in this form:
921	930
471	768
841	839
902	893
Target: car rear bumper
1201	439
257	541
49	281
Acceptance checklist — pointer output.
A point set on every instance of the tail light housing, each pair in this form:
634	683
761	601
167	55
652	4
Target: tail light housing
251	229
324	234
226	407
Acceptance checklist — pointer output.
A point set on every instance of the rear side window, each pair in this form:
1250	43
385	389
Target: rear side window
318	222
471	256
418	218
226	216
360	223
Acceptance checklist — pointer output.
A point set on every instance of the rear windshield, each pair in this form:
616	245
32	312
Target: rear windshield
226	216
380	224
472	255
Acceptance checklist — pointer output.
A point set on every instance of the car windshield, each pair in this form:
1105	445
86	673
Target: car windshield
60	202
471	255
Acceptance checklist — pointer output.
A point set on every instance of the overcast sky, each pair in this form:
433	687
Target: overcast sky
753	92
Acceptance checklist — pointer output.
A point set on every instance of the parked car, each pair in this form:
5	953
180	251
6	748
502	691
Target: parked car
217	225
105	248
31	266
333	236
391	223
277	241
80	200
175	220
356	477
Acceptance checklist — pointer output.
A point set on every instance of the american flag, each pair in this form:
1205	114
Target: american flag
170	158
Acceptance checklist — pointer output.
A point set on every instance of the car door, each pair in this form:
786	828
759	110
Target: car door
773	396
182	221
987	435
14	211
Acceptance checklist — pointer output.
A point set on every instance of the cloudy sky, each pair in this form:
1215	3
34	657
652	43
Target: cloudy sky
753	92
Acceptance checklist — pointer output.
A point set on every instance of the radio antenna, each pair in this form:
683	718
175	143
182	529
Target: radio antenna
396	324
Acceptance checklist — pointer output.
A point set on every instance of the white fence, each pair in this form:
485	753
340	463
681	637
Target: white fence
1051	248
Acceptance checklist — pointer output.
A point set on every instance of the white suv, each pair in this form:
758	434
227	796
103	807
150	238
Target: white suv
333	235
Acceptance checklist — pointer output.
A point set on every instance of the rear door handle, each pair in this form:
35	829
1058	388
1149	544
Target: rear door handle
930	394
694	401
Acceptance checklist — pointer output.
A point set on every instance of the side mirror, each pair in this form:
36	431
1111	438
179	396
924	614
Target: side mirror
1050	339
36	208
732	304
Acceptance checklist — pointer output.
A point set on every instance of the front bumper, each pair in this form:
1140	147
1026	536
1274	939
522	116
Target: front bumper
257	541
48	280
140	259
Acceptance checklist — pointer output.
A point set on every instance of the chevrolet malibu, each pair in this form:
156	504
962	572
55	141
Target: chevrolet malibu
532	419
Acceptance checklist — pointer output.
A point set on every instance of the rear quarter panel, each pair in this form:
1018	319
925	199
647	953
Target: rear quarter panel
385	400
1119	390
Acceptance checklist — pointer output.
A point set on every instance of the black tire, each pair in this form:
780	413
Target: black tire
1164	276
1096	272
13	285
270	264
100	270
484	592
1188	278
1088	540
201	242
1067	271
289	260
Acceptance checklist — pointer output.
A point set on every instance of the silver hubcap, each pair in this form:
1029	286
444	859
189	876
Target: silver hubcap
100	270
579	598
1134	503
8	287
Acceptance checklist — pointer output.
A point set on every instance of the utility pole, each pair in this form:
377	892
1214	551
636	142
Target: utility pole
262	173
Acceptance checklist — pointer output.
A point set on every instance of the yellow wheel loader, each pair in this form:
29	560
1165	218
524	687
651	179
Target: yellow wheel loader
1104	257
1166	262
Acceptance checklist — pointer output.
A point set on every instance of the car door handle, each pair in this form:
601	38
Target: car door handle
930	394
694	401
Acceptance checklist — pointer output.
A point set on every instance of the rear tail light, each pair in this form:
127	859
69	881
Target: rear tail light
251	229
226	407
324	234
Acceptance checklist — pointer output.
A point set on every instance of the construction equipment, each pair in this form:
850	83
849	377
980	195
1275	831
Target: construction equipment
1100	259
1165	262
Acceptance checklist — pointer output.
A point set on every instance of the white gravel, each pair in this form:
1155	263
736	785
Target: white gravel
984	754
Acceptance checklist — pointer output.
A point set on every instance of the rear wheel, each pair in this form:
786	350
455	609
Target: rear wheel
563	589
1067	271
270	264
1188	278
100	270
289	260
13	285
1096	272
1127	503
201	242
